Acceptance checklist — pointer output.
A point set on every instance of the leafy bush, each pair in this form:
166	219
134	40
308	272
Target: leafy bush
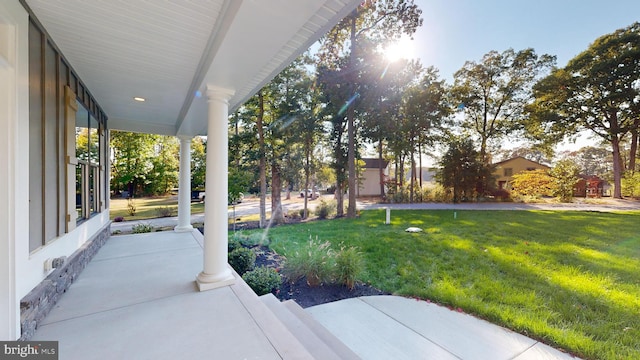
436	193
348	266
118	219
324	209
631	184
164	211
501	195
295	214
262	280
242	260
534	183
233	244
252	239
313	261
401	195
565	177
142	228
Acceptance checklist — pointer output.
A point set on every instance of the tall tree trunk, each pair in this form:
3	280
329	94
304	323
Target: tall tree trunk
263	162
412	184
277	216
483	150
395	174
617	168
420	163
351	152
339	169
381	168
237	132
339	199
307	175
633	151
401	183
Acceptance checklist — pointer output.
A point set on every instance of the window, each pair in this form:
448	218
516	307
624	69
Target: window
88	164
508	171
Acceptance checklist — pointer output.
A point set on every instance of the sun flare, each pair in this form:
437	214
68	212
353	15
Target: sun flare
402	49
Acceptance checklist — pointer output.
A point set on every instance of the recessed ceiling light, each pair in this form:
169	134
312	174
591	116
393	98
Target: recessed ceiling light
141	99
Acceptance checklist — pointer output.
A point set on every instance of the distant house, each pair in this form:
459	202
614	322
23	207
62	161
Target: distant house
504	170
591	186
369	181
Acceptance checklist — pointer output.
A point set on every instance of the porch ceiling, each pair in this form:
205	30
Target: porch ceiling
169	51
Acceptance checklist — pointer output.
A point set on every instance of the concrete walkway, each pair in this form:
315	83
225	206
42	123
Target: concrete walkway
392	327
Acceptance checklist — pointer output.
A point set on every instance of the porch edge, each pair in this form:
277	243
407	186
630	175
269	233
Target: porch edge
35	306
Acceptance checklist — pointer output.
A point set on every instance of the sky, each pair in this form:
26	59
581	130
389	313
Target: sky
455	31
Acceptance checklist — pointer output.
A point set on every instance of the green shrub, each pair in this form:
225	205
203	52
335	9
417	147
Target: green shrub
313	261
565	176
630	184
242	260
233	244
348	266
142	228
531	184
437	193
324	209
253	239
262	280
164	211
294	214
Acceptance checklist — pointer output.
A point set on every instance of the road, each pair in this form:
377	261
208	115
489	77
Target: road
250	206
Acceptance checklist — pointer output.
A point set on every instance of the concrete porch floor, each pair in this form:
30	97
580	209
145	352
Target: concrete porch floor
137	299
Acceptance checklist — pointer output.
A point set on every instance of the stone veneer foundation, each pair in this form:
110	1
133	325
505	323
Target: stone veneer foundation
39	301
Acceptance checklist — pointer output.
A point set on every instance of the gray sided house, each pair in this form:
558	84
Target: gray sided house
71	71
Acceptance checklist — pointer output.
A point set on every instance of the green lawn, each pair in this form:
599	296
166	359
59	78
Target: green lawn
570	279
146	208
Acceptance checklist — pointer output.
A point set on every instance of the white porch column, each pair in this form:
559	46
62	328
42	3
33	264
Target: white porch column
216	272
14	162
184	186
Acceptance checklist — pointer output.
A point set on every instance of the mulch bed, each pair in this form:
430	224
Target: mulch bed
299	291
305	295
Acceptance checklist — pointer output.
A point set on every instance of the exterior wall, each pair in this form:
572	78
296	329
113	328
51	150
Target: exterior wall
370	182
518	164
21	269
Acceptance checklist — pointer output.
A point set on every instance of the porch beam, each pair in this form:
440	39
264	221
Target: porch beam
184	186
216	272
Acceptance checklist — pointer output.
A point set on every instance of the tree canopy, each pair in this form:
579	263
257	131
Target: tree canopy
598	91
492	94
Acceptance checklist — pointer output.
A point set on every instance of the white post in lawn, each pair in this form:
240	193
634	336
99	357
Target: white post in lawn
216	272
184	186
